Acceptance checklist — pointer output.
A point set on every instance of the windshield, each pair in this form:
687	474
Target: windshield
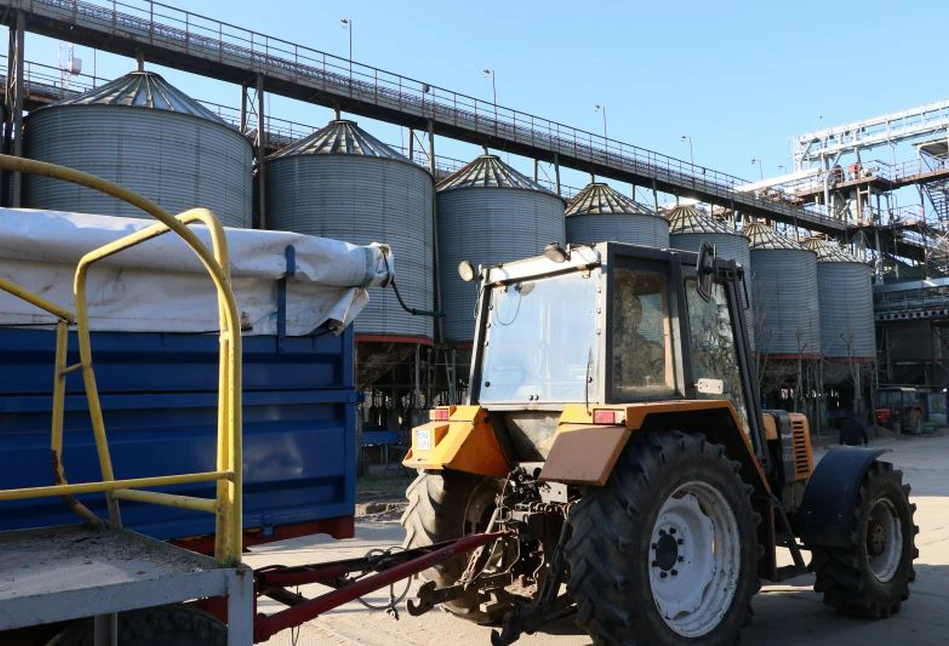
541	340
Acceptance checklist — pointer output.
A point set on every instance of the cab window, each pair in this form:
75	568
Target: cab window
642	339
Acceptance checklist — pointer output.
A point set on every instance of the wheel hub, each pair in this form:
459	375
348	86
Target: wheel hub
667	551
876	538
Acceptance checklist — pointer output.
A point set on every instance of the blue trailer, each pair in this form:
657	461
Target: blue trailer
159	396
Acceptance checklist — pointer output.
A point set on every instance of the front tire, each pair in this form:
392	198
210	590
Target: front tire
871	577
667	551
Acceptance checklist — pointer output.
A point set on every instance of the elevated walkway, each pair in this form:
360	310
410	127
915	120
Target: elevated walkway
201	45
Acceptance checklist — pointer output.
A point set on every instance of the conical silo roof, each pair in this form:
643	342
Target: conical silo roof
142	89
687	219
598	198
340	137
764	237
828	251
488	171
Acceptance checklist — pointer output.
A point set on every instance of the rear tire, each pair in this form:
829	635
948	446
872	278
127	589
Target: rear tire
622	545
446	505
175	625
871	577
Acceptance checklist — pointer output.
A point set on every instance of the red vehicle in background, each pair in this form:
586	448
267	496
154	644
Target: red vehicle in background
901	408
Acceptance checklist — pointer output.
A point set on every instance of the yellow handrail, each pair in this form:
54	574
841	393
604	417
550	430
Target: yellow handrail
229	526
36	301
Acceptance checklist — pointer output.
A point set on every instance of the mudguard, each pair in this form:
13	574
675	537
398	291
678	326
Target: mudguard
826	515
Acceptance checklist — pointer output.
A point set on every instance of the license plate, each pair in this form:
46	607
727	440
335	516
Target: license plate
423	440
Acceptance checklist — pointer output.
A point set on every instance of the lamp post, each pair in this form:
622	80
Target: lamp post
494	89
691	152
601	108
347	23
760	170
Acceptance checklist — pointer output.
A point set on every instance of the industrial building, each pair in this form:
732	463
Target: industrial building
828	251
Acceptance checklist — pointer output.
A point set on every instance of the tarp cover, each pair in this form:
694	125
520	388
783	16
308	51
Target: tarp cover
161	286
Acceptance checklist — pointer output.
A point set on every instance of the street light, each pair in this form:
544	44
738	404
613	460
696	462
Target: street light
601	108
347	23
691	153
760	170
494	89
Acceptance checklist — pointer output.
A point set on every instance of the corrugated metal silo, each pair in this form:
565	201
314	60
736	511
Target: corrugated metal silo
845	293
488	213
341	182
141	132
600	213
784	280
688	229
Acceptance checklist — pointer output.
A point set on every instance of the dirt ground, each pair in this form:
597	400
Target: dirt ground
785	614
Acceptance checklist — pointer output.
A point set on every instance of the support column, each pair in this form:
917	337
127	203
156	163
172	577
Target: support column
13	130
411	144
536	170
557	171
240	606
655	197
243	118
436	257
923	228
261	153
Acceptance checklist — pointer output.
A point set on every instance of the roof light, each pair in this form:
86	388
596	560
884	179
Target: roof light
556	253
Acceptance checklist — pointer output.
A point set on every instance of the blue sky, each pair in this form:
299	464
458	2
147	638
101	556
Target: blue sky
739	78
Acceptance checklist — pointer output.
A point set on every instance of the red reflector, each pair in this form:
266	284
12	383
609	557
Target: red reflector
604	416
439	415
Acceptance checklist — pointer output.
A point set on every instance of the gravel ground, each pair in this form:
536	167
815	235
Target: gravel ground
786	614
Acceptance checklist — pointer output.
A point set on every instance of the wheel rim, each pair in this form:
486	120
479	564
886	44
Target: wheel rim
694	559
884	540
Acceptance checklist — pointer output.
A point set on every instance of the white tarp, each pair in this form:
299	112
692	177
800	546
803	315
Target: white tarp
161	286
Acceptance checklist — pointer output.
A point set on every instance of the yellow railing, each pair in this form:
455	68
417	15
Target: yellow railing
227	504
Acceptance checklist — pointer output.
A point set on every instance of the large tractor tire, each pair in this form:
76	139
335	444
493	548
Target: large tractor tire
175	625
871	577
446	505
667	551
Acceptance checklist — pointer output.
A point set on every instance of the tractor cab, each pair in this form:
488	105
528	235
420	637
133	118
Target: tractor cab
545	327
582	333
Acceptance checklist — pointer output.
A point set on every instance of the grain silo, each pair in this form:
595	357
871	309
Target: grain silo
784	283
341	182
688	229
845	294
143	133
599	213
488	213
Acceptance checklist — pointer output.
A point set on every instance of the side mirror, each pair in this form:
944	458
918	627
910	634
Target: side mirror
705	271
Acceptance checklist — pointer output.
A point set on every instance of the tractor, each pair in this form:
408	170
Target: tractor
612	437
901	409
